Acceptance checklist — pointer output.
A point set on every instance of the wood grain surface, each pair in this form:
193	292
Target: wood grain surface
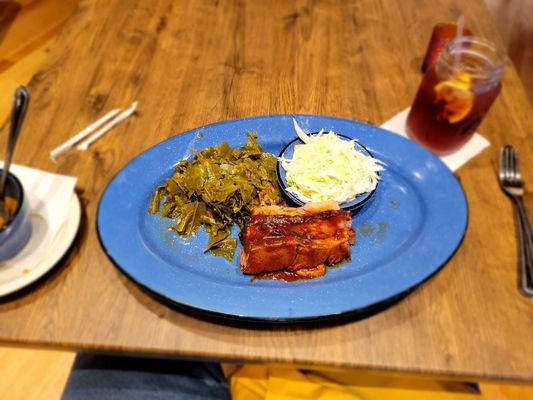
191	63
33	374
27	30
513	19
37	21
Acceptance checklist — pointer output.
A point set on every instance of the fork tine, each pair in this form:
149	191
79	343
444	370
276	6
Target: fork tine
516	166
512	165
502	169
505	163
508	166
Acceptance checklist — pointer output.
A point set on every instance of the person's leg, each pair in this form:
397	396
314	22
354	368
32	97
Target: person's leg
116	378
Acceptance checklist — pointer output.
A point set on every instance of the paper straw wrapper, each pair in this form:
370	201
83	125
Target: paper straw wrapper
106	128
82	134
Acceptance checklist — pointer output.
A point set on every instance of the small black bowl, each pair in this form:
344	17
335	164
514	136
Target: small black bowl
288	152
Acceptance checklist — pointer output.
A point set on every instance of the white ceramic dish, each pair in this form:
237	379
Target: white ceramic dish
41	253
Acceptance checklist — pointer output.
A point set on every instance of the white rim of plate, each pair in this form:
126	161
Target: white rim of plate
60	245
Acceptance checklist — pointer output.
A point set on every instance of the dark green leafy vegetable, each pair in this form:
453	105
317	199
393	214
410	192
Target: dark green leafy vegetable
216	189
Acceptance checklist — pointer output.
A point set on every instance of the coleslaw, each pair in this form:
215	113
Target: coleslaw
329	168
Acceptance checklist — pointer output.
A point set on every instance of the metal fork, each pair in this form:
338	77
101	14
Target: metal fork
512	184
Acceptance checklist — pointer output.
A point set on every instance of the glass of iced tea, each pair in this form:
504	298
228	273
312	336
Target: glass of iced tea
455	94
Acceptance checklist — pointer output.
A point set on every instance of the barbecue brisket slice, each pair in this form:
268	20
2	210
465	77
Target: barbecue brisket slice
276	238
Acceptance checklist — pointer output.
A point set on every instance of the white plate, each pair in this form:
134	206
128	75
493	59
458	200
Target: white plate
41	253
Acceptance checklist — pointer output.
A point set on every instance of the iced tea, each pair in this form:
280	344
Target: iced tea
455	94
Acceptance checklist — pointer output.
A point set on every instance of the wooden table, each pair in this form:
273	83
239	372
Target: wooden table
191	63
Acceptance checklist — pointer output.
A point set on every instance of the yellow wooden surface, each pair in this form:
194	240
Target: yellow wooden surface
27	30
33	374
26	34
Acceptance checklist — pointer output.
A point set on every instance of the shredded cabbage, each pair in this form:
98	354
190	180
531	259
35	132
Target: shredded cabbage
328	168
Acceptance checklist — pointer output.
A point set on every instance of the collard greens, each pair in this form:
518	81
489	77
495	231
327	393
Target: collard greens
216	189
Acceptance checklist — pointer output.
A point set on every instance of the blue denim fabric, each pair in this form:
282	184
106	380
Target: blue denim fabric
118	378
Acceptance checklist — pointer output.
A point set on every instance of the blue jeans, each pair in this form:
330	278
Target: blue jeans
117	378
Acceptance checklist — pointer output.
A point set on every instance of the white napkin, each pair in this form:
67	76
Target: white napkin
455	160
48	194
49	197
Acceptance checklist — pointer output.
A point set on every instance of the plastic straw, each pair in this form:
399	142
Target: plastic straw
460	30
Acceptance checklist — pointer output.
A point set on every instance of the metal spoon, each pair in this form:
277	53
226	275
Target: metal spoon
20	104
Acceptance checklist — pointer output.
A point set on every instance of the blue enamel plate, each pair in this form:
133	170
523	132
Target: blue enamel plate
406	232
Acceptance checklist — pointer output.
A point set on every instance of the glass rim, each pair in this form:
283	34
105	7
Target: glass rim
494	59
